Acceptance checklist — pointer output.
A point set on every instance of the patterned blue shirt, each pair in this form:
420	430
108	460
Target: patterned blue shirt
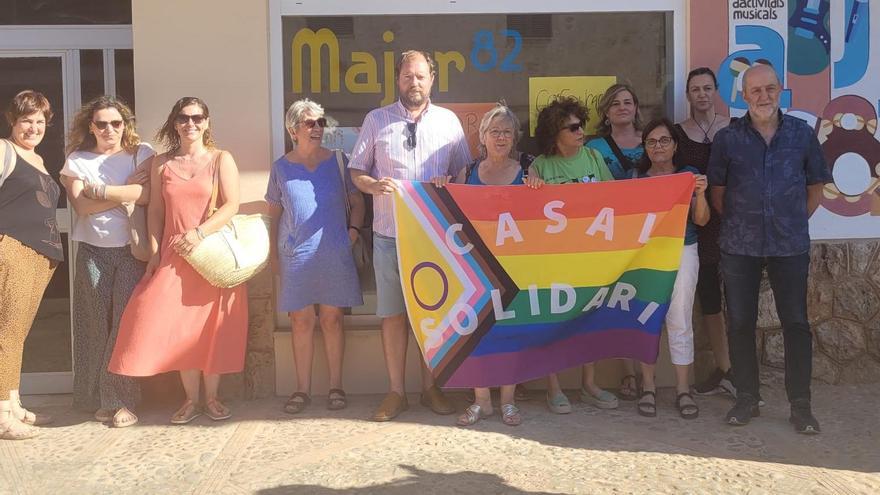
765	200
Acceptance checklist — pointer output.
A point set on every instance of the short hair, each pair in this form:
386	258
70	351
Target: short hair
551	120
167	135
26	103
410	54
645	162
297	111
604	127
761	63
499	111
700	71
80	138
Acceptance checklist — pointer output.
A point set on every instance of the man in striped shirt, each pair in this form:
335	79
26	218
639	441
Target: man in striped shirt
410	139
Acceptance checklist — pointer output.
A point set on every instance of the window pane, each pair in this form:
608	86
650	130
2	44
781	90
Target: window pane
125	76
479	58
66	12
91	66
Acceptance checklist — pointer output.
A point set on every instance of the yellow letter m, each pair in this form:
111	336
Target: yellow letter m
307	37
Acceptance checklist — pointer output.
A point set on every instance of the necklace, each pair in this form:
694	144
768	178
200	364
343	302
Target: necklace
706	139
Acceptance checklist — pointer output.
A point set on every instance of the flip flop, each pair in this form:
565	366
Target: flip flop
188	412
215	410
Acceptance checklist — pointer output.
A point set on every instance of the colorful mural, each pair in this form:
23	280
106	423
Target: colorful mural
822	53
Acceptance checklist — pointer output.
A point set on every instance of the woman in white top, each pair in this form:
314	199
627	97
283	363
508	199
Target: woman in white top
105	174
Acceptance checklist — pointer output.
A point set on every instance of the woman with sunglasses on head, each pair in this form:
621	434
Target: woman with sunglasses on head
307	194
661	141
30	249
564	159
106	168
176	320
695	144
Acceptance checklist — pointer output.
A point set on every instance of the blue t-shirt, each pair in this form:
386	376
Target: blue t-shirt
691	233
634	154
474	177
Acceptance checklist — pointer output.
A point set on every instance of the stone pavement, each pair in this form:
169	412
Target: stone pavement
262	450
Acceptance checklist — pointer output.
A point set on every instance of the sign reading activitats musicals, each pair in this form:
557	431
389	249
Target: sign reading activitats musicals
504	284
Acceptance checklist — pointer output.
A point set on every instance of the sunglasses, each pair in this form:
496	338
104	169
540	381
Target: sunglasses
411	135
574	127
183	118
102	124
311	123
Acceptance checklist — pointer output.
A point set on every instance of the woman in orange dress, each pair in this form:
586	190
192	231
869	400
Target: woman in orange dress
175	320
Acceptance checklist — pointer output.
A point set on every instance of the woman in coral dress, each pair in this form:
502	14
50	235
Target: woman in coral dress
176	320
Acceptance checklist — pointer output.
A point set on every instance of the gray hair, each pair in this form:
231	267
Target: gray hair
297	111
500	111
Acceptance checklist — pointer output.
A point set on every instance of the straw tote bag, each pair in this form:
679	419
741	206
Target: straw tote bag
236	252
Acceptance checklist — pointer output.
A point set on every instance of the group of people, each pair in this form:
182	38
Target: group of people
140	317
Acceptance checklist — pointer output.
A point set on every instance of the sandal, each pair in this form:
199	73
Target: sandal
215	410
648	409
510	415
297	403
559	404
187	412
103	415
687	411
629	388
471	415
336	399
123	418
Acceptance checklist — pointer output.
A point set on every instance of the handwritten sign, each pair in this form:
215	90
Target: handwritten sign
470	115
587	89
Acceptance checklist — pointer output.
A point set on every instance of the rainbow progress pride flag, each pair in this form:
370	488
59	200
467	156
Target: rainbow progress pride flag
504	284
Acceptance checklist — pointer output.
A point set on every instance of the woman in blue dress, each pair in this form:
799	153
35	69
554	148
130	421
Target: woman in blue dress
307	202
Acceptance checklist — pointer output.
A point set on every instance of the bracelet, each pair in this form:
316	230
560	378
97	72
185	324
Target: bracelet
200	233
355	228
101	191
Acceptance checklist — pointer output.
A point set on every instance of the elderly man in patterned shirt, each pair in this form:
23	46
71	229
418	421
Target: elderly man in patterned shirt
410	139
767	171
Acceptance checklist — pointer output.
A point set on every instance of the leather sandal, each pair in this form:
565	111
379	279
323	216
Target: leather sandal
123	418
687	411
471	415
215	410
645	408
187	412
629	388
297	403
336	399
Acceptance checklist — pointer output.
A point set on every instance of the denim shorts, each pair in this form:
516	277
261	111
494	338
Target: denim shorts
389	291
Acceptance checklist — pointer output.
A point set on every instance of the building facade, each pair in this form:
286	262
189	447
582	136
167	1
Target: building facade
249	60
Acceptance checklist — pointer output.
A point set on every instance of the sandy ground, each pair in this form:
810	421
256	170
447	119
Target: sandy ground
262	450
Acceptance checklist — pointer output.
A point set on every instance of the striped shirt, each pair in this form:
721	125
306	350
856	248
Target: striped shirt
384	149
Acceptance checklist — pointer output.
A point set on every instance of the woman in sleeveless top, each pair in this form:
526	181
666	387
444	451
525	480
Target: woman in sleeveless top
499	135
176	320
101	175
30	249
696	135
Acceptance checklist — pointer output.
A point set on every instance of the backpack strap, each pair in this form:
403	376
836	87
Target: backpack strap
624	160
469	170
8	161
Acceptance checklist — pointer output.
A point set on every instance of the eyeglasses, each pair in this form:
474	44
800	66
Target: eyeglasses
411	135
497	133
574	127
311	123
196	119
663	142
102	124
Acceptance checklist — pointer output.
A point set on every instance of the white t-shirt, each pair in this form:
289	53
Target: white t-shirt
107	228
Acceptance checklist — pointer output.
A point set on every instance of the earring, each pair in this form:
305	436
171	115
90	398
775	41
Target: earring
607	122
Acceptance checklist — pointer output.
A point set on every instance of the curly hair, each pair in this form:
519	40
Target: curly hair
81	138
26	103
167	135
604	127
552	119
